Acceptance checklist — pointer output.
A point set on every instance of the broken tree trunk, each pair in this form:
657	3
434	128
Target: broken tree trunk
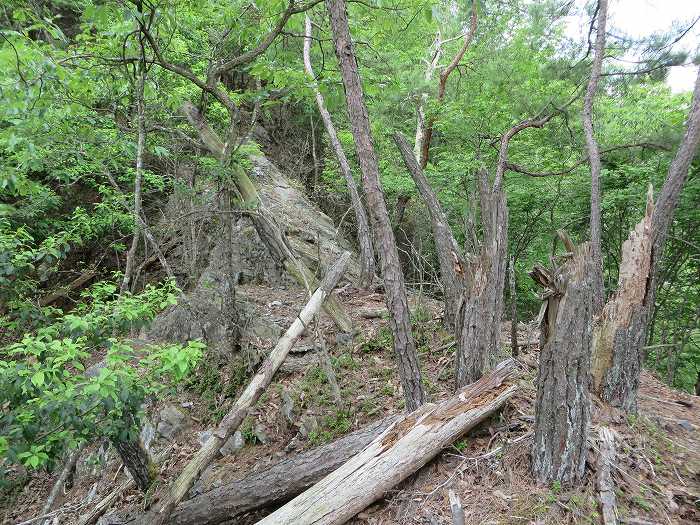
619	337
562	406
606	486
620	332
274	484
364	237
267	228
449	255
400	451
248	398
394	285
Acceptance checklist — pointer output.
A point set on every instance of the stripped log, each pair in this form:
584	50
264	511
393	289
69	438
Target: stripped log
248	398
274	484
606	486
400	451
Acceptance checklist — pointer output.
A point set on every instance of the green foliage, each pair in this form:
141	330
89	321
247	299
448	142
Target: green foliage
53	402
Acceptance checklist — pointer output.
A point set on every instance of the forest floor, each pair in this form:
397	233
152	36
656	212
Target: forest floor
658	464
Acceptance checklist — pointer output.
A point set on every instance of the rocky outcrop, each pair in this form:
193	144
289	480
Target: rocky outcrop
195	222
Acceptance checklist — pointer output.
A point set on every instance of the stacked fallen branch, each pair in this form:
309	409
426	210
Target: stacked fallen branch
400	451
247	400
274	484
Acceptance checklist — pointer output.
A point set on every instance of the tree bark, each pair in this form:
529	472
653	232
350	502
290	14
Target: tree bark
399	452
265	225
449	255
562	406
395	289
620	334
248	398
594	157
136	460
274	484
364	237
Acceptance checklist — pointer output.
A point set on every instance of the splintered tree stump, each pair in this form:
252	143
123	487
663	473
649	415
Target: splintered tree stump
562	407
400	451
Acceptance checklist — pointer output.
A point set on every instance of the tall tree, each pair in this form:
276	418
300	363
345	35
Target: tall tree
594	156
394	286
364	236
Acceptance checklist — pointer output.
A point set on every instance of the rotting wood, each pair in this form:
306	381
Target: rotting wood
68	466
401	450
75	284
230	423
606	486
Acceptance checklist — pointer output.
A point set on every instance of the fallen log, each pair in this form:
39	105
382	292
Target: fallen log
248	398
401	450
274	484
63	292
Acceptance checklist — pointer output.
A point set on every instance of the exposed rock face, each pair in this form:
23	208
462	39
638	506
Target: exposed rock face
199	258
172	422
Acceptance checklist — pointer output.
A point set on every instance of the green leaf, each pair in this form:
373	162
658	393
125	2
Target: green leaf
38	378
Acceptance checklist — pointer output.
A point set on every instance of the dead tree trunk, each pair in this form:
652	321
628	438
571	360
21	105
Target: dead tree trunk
364	237
274	484
267	228
395	289
562	407
449	255
606	485
594	157
620	335
248	398
399	452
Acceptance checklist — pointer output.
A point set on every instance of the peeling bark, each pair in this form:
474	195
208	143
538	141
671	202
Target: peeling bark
137	461
562	406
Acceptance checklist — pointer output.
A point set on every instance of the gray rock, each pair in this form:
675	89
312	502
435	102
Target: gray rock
287	407
172	422
204	436
260	434
309	424
343	338
686	425
233	444
147	435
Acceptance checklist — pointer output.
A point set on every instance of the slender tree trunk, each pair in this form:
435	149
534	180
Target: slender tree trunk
513	309
449	254
621	332
364	236
562	406
395	290
594	157
140	149
423	100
